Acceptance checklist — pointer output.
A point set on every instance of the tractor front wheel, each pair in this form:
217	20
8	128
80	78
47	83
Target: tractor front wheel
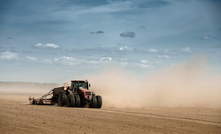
94	102
99	101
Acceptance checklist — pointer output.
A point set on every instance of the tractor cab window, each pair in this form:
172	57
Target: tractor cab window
82	84
79	84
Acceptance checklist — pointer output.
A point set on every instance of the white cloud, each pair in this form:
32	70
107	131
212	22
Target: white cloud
149	51
46	46
143	61
188	50
182	51
170	52
112	7
31	58
8	55
145	66
73	61
164	56
125	48
46	61
205	38
93	62
38	60
106	59
121	48
152	50
123	63
66	60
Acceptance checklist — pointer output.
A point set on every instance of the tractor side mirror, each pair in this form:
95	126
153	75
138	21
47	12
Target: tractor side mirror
89	85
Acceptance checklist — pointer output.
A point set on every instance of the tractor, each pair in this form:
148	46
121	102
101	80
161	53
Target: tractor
76	95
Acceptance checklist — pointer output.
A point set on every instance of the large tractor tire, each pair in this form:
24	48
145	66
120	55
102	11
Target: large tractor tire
99	101
71	100
62	99
77	101
33	102
94	102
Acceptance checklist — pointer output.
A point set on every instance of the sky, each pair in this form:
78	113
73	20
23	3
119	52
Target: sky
53	41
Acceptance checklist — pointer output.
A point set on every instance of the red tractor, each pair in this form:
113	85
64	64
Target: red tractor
76	95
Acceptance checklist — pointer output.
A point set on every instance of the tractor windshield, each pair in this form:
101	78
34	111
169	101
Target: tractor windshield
79	84
82	84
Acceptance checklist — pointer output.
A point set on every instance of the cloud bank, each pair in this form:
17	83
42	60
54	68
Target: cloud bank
8	55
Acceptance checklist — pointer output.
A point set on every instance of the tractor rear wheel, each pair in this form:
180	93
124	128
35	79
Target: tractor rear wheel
62	99
94	102
99	101
77	101
71	101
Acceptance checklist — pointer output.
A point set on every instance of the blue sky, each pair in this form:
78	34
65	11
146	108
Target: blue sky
53	41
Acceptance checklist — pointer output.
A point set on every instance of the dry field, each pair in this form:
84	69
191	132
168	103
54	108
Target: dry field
17	116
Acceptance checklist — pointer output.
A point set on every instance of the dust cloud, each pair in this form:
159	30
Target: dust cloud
188	84
28	88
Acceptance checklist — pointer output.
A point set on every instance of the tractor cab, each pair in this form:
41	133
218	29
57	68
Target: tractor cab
76	84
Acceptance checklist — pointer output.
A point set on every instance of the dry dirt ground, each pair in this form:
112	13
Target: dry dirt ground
17	116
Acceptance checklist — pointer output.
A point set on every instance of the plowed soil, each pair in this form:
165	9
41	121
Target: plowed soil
18	116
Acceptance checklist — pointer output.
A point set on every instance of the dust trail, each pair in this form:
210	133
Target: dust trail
184	85
25	87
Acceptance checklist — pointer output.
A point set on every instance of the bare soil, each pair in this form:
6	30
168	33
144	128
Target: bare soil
18	116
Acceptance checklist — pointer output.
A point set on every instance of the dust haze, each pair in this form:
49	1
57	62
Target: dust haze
27	88
189	84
